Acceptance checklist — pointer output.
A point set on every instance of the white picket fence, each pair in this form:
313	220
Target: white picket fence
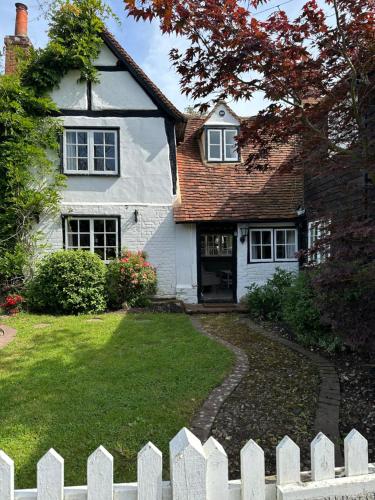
201	473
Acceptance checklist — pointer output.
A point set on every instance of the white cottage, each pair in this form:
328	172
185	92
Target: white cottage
142	175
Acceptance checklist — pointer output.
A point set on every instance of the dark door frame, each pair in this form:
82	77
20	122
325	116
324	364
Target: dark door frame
218	227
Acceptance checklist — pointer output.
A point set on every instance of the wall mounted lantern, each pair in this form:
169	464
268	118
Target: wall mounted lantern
244	234
301	211
135	215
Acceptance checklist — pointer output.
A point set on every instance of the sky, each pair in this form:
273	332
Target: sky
145	43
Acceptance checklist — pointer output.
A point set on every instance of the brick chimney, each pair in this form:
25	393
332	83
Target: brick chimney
20	40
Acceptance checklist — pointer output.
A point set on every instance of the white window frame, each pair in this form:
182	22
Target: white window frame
225	145
220	253
319	226
212	158
261	229
90	152
284	229
91	232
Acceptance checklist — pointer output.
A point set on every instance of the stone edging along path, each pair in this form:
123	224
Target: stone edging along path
328	410
7	334
203	420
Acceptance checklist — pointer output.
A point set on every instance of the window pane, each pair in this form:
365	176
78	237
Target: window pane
231	152
98	138
99	165
255	237
100	252
84	240
280	237
266	252
214	137
110	253
82	137
99	240
72	240
280	252
290	237
266	237
82	164
256	252
229	137
71	151
290	251
109	137
71	138
71	164
109	151
99	226
73	225
110	225
99	151
84	225
215	152
110	165
110	240
82	151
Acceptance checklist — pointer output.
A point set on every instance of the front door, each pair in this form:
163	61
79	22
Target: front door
216	263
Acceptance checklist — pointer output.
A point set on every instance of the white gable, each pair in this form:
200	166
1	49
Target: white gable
119	90
222	116
70	94
106	57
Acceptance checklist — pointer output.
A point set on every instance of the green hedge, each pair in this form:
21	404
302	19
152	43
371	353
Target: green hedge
68	282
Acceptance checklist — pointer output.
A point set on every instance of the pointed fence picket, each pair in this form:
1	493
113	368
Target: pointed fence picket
201	473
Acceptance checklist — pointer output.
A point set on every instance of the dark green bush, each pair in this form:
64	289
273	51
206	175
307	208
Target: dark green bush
300	312
265	301
68	282
131	280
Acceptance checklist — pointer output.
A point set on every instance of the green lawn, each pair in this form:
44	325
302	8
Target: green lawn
120	382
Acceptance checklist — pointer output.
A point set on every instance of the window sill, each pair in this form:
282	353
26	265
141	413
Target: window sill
91	174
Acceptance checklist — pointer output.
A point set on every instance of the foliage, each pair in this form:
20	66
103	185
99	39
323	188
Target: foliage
75	28
265	301
29	180
131	280
118	380
301	313
345	296
68	282
12	304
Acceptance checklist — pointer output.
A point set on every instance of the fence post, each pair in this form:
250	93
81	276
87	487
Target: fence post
356	454
149	473
253	480
287	462
322	458
188	467
6	477
50	476
217	470
100	475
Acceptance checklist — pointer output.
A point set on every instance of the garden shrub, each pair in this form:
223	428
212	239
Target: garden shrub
301	313
68	282
265	301
131	280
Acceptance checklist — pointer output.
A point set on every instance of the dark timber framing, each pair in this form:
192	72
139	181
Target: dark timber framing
170	132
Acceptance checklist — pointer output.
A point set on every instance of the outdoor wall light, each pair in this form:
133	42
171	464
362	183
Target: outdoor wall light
244	234
301	210
135	215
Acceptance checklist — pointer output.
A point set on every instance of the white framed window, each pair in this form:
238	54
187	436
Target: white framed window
286	245
91	152
221	144
316	230
216	245
99	235
261	245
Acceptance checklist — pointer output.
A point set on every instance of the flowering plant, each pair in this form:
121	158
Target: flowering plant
12	304
131	279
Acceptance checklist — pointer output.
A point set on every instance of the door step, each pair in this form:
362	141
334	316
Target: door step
214	308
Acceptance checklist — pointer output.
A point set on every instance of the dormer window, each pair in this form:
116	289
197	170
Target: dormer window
221	144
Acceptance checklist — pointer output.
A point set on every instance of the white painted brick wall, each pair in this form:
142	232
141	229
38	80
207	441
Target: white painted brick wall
154	232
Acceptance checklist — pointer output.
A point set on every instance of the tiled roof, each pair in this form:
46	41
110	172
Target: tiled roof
226	191
141	76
